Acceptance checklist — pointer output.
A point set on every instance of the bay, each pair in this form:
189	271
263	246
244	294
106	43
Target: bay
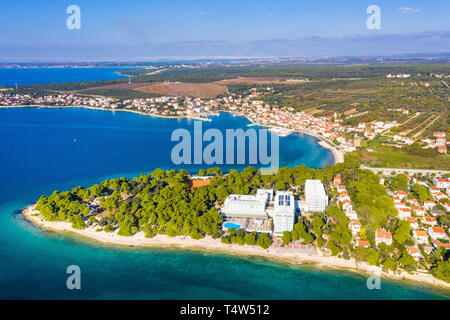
46	149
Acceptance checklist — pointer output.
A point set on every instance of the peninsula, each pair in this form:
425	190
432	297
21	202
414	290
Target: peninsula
341	216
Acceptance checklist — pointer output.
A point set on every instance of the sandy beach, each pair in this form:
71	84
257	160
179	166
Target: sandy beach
338	154
207	243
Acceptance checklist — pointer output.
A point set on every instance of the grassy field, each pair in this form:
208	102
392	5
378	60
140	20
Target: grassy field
388	157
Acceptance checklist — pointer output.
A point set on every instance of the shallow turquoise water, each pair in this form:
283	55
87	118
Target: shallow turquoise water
38	155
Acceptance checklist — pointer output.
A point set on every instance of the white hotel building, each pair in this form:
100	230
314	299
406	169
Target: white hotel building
315	197
247	206
284	212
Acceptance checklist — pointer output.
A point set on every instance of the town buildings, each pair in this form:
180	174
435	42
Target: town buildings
282	208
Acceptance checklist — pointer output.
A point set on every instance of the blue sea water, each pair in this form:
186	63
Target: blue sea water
21	76
47	149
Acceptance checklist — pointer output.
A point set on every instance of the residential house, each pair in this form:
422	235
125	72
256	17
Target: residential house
412	202
413	222
428	205
363	243
420	236
355	227
404	212
441	183
420	211
352	215
429	221
414	252
442	149
436	233
344	196
337	180
402	194
437	243
384	236
347	205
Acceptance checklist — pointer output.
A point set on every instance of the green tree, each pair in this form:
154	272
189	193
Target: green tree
286	238
389	264
402	231
127	226
77	222
333	247
264	240
250	239
399	182
442	270
408	262
420	192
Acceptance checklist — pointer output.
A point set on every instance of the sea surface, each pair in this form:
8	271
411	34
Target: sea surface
21	76
47	149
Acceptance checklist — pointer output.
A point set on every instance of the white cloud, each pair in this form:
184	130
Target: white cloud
408	10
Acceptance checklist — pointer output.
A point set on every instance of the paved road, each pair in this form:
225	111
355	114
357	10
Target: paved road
387	171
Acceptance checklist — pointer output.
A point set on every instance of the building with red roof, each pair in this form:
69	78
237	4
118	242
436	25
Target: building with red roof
383	236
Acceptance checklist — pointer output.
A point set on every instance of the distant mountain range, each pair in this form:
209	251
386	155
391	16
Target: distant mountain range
358	45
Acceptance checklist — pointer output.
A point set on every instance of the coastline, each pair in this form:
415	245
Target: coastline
209	244
96	108
338	155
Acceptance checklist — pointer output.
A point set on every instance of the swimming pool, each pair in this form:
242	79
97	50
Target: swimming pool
232	225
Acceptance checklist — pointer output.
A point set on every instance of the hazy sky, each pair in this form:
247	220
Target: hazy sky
43	23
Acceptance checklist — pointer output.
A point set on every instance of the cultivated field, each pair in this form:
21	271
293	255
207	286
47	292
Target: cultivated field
261	80
187	89
181	89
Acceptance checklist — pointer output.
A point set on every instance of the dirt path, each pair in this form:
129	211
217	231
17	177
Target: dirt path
419	125
417	114
357	114
155	72
424	128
